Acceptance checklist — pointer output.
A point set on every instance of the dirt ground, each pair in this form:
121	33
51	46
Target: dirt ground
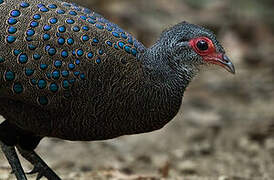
224	128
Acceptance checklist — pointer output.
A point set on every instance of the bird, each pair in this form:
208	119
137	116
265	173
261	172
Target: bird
69	73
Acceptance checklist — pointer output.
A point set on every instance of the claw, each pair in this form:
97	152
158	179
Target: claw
39	176
40	167
34	170
39	170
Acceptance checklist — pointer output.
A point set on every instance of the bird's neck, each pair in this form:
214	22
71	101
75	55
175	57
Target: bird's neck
162	89
161	70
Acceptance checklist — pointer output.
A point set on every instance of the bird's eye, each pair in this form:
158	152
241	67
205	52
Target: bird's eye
202	45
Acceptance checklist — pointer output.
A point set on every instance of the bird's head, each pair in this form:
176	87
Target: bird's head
192	45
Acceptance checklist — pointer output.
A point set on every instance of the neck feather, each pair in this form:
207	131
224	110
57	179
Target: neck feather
161	70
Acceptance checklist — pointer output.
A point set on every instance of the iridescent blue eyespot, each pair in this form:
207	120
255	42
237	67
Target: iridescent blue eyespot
24	4
130	41
99	26
128	49
52	6
47	47
85	28
43	100
109	43
83	17
66	4
9	76
61	41
80	52
70	41
33	81
116	47
121	44
15	13
134	52
70	21
77	61
29	39
48	75
65	73
47	27
77	9
101	52
53	20
29	72
91	21
95	40
46	37
76	73
31	47
71	66
76	28
87	11
71	81
40	5
73	13
34	24
16	52
56	74
12	21
98	60
85	38
53	87
74	52
36	16
43	66
1	1
123	35
60	11
65	84
90	55
23	58
82	76
12	30
109	28
62	29
58	63
2	59
92	17
30	32
115	34
44	9
18	88
36	56
42	84
52	51
64	54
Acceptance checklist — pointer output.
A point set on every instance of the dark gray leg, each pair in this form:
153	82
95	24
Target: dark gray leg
14	162
40	166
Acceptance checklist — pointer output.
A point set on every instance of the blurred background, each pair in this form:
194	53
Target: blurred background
224	128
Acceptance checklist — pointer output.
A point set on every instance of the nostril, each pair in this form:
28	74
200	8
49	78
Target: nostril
225	58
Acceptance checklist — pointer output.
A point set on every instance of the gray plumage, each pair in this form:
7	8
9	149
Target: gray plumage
67	72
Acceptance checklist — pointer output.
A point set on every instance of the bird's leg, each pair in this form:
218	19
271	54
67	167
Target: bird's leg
40	166
13	160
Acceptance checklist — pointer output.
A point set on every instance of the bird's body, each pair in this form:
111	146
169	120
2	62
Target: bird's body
87	90
67	72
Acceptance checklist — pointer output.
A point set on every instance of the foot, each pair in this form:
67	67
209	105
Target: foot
40	166
13	160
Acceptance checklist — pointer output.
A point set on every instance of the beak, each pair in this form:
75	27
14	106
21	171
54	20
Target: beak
227	64
222	60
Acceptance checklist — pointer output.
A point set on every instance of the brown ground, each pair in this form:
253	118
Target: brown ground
220	132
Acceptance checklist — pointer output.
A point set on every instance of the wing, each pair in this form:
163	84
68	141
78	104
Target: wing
50	49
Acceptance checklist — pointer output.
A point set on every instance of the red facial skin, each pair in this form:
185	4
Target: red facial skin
210	55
